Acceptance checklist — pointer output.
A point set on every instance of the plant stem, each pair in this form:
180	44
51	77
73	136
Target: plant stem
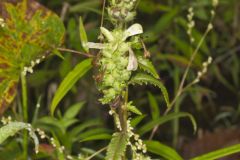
73	51
25	114
123	116
123	113
181	87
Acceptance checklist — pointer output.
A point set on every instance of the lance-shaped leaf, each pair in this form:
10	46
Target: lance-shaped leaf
83	35
162	150
141	78
30	31
69	81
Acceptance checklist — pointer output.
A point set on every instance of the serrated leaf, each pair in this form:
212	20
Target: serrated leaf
80	70
83	35
134	109
147	66
117	146
162	150
141	78
12	128
150	125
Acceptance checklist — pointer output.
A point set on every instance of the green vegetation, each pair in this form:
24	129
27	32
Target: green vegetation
119	79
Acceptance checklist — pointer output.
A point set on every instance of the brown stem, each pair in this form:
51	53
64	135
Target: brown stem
73	51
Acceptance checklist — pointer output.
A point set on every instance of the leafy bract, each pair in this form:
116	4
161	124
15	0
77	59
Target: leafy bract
30	31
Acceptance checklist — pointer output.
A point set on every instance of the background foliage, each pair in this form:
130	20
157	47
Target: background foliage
82	122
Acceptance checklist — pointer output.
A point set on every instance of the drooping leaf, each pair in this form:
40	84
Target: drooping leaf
150	125
12	128
219	153
117	146
147	66
141	78
162	150
83	35
29	33
69	82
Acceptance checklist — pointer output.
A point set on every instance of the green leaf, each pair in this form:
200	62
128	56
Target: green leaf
73	110
141	78
117	146
162	24
150	125
85	6
87	124
162	150
80	70
12	128
83	35
219	153
51	121
147	66
102	136
137	120
154	106
133	109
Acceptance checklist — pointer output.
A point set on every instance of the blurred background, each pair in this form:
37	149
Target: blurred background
214	101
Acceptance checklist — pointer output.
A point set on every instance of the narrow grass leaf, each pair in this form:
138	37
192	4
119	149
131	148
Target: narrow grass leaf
73	110
150	125
154	106
219	153
162	150
80	70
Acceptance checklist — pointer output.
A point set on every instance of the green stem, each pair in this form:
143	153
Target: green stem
25	114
